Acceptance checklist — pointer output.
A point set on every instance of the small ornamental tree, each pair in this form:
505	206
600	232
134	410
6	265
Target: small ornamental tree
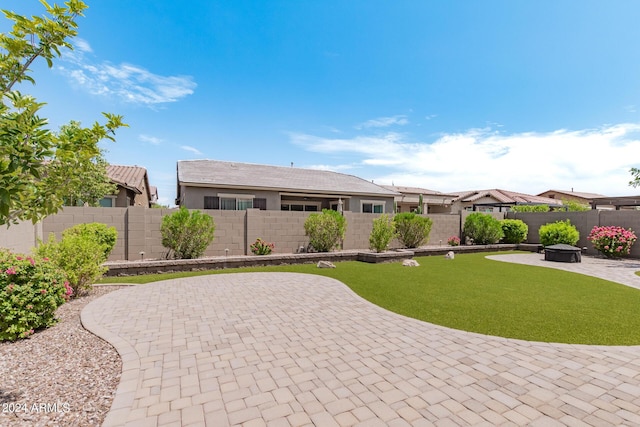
484	229
187	234
529	208
382	232
612	242
559	232
40	169
325	230
412	230
514	230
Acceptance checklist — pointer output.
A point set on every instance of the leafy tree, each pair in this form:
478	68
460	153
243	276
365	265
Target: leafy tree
635	173
40	168
529	208
573	206
483	229
384	229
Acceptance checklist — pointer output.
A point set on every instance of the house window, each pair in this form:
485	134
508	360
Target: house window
211	202
108	202
300	207
231	202
372	207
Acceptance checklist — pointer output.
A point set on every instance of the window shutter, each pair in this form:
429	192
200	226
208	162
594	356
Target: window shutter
211	202
260	204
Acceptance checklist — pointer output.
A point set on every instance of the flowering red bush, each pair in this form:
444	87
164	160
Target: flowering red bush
611	241
31	289
454	241
260	247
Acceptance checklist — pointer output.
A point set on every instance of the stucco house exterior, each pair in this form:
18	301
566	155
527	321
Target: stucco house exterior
133	187
496	200
213	184
433	202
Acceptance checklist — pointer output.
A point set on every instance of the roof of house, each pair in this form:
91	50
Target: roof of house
153	190
415	190
131	177
504	196
587	196
246	175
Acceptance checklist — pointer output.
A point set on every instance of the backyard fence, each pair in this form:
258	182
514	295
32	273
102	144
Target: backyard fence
139	229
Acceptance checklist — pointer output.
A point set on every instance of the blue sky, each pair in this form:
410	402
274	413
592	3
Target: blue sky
450	96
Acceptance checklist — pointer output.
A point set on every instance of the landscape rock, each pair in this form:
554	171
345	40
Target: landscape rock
450	255
410	263
325	264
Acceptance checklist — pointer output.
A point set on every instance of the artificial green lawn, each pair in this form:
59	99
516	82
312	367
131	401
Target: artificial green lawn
490	297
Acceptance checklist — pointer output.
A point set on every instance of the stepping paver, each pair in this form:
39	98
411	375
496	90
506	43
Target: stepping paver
292	349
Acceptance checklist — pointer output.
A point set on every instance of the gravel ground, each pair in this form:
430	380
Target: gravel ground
61	376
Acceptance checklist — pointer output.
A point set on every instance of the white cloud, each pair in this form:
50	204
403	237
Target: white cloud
150	139
590	160
191	149
430	117
82	45
333	168
383	122
126	82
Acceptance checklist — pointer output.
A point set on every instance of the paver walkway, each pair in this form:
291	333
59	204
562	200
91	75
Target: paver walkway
283	349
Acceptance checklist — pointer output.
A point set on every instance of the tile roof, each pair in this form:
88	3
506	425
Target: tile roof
131	177
504	196
247	175
575	194
415	190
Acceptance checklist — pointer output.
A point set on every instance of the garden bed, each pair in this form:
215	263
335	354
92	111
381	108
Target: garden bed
132	268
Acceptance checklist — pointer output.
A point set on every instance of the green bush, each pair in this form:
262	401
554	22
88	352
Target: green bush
484	229
412	230
31	289
187	234
382	232
79	256
558	232
529	208
101	234
325	230
573	206
514	230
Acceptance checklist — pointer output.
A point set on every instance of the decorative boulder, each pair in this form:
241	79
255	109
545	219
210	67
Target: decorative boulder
450	255
410	263
325	264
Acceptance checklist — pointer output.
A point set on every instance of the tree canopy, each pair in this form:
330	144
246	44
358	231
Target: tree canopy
635	173
41	169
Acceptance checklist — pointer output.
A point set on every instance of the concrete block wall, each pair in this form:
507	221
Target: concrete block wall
21	237
71	216
283	228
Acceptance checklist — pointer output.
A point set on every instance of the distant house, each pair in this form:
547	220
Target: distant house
573	196
133	187
432	201
496	200
212	184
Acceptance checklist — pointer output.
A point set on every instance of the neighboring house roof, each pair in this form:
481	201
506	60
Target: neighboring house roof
587	196
412	195
214	173
504	196
131	177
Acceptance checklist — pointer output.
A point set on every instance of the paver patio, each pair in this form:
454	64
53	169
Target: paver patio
284	349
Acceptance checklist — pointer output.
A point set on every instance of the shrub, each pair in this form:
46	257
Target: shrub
31	289
382	232
325	230
187	234
612	242
79	256
573	206
99	233
558	232
484	229
412	230
529	208
453	241
260	247
514	230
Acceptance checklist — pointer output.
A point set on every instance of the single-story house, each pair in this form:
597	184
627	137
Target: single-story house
496	200
573	196
133	187
433	202
213	184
